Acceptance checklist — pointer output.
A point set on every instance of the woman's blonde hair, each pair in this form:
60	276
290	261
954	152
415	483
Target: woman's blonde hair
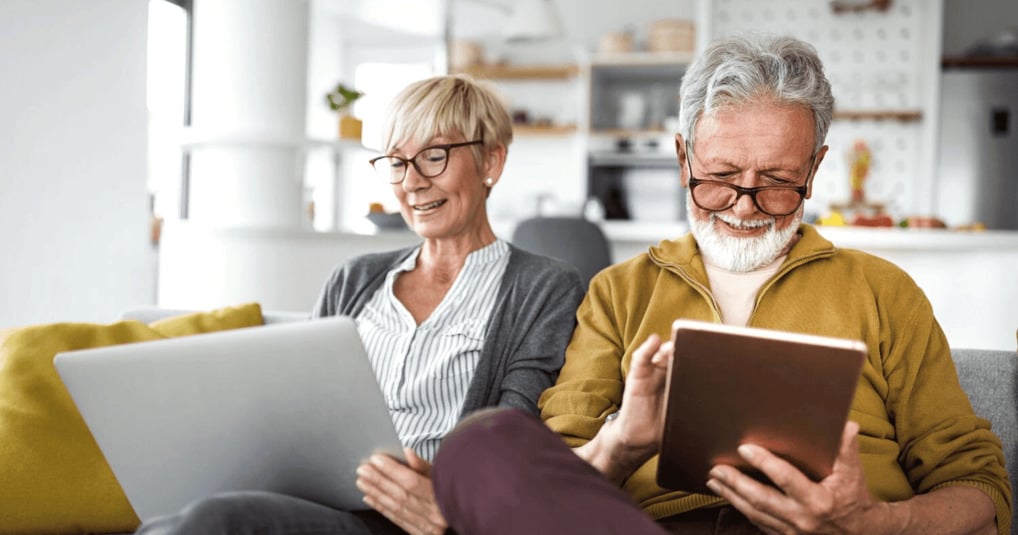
448	105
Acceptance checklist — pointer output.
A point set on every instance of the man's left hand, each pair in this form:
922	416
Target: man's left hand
840	503
403	493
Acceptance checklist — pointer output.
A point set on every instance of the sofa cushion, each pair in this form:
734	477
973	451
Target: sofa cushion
53	477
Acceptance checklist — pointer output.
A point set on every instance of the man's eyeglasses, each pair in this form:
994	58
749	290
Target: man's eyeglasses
429	162
718	196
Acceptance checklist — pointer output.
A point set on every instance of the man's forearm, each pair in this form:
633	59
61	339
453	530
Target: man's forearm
947	510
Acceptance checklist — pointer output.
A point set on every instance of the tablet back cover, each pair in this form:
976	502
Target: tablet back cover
789	393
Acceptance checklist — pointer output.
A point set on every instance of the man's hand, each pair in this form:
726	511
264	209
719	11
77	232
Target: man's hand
638	425
840	503
622	445
403	493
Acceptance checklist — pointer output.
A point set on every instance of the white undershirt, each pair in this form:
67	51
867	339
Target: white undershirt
735	292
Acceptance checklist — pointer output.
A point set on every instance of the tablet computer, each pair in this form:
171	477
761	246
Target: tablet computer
789	393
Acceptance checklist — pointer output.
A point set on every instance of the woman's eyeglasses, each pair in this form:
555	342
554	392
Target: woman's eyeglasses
429	162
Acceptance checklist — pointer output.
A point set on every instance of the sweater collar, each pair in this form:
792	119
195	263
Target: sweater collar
684	254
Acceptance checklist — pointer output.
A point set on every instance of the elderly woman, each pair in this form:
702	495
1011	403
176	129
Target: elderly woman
462	321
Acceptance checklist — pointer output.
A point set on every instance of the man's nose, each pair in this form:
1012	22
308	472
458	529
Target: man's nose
744	206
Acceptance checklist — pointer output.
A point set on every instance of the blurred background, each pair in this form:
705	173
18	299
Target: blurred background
182	152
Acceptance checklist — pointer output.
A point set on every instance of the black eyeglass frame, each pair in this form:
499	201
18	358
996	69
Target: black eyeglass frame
740	191
413	159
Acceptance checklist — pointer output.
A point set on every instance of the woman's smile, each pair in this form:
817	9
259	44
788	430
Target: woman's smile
426	207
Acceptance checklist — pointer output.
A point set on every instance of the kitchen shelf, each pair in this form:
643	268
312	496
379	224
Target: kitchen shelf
628	132
878	115
191	138
633	159
635	59
553	130
522	72
962	62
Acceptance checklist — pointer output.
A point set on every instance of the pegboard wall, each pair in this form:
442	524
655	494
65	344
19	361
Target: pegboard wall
877	61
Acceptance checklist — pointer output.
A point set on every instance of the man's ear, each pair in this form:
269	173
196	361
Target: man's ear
680	154
813	172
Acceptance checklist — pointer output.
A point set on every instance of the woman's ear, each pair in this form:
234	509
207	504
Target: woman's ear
494	163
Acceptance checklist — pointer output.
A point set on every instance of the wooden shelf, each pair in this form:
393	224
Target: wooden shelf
878	115
553	130
627	132
522	72
962	62
193	138
633	59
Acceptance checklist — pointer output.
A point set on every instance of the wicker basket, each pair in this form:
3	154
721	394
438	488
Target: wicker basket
671	35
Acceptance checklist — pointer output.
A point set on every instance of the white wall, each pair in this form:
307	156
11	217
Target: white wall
73	206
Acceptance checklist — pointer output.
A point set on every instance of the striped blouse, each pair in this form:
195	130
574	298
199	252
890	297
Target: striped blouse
424	370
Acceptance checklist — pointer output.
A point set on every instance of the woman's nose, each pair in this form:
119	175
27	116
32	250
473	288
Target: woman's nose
413	179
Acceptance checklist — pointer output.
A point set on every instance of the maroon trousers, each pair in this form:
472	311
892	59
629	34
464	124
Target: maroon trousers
502	471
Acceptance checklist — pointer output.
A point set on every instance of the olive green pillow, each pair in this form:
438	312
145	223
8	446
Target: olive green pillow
53	478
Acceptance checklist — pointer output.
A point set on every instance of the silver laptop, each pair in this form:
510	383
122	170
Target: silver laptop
290	408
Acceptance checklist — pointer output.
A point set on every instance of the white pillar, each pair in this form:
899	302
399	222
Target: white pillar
248	113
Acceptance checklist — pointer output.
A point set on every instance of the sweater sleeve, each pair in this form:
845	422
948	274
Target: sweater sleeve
544	323
591	382
942	441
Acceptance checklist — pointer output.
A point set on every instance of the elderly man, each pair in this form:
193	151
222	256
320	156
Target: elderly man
914	458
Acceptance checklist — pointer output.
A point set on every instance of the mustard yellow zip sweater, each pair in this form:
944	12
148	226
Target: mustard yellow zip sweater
917	429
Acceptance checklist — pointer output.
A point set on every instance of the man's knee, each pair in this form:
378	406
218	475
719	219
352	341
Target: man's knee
501	424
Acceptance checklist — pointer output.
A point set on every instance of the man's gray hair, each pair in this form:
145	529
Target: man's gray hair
737	70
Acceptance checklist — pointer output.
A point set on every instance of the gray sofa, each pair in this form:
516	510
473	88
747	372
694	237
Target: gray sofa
989	377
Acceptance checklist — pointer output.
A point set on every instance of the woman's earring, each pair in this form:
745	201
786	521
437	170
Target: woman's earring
489	181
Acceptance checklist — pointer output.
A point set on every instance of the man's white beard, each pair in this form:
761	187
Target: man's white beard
739	254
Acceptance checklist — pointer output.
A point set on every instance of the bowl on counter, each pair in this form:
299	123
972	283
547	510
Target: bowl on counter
387	221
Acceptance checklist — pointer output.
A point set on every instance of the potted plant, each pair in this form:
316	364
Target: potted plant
340	99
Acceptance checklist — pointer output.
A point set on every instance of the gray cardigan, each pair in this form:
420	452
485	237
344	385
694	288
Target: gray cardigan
529	328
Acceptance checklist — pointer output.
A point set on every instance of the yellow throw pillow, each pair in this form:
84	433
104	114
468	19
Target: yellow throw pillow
53	478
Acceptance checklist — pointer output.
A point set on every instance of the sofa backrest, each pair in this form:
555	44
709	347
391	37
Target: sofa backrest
150	314
990	378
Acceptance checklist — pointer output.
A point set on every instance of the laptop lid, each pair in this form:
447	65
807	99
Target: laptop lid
290	408
726	386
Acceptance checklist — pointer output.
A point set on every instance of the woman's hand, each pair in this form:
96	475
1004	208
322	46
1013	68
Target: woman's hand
403	493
